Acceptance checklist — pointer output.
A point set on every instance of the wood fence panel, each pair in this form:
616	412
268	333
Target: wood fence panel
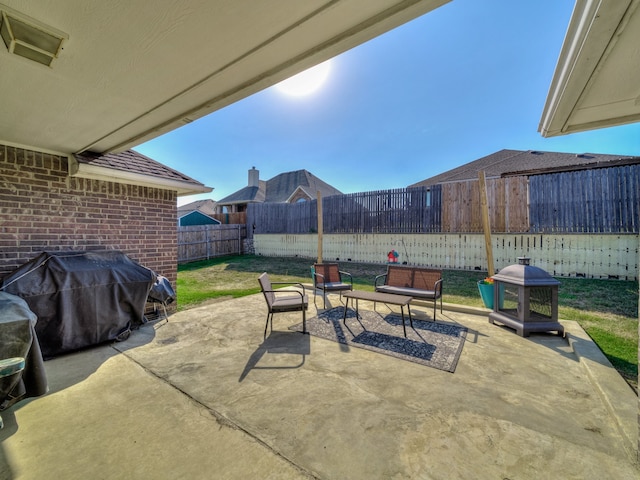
603	200
235	218
516	204
507	200
202	242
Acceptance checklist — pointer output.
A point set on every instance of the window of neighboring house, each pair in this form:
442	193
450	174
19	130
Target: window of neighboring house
225	209
428	198
301	200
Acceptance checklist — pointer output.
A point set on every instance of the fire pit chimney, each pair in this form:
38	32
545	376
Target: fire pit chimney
526	299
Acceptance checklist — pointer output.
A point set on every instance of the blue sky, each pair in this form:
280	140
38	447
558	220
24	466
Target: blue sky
464	81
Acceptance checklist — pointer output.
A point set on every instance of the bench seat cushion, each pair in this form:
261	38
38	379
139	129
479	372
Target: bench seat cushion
412	292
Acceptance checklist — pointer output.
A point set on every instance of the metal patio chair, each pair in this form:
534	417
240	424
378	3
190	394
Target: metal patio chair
329	278
283	300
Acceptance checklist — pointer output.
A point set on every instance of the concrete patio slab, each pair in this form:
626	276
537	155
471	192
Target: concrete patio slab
204	396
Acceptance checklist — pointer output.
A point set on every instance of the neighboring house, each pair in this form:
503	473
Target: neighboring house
518	162
288	187
200	212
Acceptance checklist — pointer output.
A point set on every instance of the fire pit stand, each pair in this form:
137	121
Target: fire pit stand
529	299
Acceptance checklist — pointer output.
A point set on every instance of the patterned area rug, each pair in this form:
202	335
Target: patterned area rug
434	344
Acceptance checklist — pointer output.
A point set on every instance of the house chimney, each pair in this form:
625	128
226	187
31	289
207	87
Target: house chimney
254	177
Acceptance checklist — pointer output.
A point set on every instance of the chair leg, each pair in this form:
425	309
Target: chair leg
324	298
304	321
267	324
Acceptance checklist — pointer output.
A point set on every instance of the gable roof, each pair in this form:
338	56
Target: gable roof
246	195
207	207
134	168
280	188
518	162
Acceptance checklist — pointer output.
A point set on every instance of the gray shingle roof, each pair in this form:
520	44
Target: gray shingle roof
207	206
246	195
279	188
519	162
133	162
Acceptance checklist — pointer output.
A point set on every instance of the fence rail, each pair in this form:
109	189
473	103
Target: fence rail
202	242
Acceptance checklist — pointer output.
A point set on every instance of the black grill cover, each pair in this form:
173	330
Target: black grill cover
18	339
81	298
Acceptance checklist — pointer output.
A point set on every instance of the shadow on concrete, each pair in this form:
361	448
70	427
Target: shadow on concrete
279	344
77	368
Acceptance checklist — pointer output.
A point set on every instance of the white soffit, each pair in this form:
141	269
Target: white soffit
597	79
133	70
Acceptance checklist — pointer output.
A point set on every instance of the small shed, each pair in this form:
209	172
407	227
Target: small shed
196	218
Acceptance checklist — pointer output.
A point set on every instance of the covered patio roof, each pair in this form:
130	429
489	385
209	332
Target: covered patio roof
123	73
597	80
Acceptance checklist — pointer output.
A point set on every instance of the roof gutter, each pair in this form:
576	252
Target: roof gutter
93	172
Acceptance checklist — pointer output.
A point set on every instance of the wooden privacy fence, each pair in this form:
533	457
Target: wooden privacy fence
604	200
201	242
400	210
507	199
234	218
589	255
601	200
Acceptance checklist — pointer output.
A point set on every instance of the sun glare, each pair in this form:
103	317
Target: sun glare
307	82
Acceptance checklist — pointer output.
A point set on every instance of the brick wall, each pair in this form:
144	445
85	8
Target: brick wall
42	208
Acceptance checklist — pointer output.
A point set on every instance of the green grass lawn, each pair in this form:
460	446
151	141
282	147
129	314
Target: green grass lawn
606	309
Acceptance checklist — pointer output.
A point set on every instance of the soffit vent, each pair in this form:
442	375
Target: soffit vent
29	38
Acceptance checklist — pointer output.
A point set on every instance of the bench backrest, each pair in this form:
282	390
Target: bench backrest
425	279
413	277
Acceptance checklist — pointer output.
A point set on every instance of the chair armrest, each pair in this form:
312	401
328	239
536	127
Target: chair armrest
347	274
282	290
384	275
287	283
315	278
437	287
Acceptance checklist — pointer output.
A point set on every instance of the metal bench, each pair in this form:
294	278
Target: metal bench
417	282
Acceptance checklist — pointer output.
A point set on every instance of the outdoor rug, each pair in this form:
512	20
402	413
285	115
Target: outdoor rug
434	344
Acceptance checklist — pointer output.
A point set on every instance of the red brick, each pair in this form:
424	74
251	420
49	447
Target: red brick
45	209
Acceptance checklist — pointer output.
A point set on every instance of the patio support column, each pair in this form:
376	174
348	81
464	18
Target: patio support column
319	226
486	222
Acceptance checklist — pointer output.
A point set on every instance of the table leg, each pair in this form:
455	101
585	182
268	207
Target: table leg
346	306
404	327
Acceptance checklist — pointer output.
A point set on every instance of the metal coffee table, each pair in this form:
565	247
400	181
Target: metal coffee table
391	299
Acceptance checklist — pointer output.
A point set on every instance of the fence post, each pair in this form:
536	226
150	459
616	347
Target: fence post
486	223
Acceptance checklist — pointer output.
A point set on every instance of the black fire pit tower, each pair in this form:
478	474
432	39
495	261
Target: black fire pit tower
526	299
